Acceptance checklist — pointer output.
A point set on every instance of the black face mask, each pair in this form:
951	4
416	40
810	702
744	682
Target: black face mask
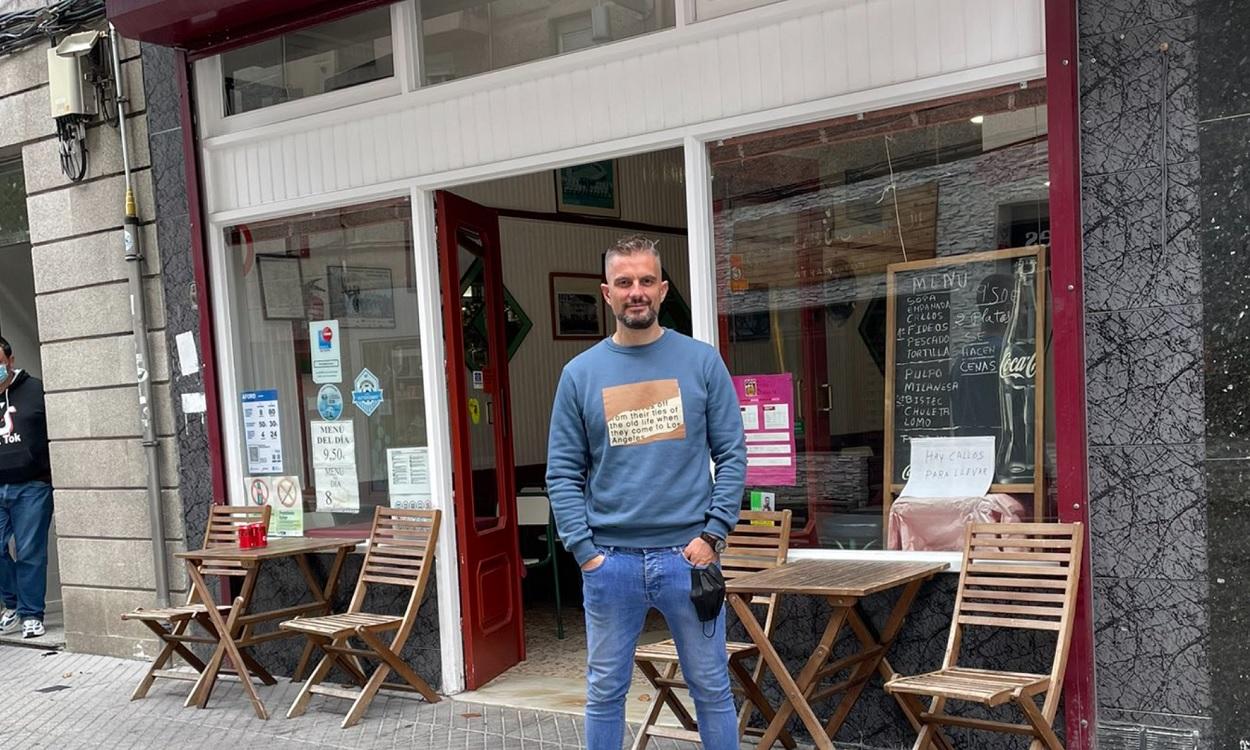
707	591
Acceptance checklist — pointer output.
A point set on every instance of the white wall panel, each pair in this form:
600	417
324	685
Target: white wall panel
657	88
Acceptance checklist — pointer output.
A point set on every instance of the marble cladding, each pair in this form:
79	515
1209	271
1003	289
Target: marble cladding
1148	513
1147	399
1138	103
1139	252
1224	141
173	232
1226	271
1144	376
1151	639
1223	89
1228	582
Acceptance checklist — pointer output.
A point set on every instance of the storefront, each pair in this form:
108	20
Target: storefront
870	208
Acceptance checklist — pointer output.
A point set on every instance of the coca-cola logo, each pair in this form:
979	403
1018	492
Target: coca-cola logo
1015	368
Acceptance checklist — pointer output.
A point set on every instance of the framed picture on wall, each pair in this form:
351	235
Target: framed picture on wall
281	287
576	306
361	297
589	189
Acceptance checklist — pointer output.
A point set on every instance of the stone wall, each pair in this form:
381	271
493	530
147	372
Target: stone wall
87	348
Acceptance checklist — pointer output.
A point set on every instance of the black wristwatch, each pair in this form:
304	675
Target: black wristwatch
716	543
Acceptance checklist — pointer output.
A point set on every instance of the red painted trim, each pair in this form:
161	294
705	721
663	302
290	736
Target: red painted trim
1068	322
206	27
199	260
228	40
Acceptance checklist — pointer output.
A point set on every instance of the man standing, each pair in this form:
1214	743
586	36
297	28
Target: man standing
635	421
25	498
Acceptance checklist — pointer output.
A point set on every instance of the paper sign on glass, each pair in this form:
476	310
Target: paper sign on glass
333	444
323	345
767	402
338	490
262	432
408	472
950	467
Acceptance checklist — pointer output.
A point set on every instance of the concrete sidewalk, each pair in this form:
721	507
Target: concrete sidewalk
55	699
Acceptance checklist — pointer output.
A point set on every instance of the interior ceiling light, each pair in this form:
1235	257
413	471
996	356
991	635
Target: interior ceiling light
977	120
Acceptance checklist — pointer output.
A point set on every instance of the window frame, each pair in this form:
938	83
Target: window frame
211	86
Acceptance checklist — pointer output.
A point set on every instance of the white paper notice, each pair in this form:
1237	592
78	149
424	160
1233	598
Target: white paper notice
950	467
333	444
188	358
750	417
194	403
337	489
776	416
408	471
323	343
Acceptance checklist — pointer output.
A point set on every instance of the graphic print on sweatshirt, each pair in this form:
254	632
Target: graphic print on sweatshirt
7	434
647	412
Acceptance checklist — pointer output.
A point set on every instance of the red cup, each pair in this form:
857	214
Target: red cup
245	536
260	535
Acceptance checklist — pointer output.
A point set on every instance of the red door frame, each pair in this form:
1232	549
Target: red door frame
489	558
1068	325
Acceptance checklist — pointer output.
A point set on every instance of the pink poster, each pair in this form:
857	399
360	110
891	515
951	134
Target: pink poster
767	404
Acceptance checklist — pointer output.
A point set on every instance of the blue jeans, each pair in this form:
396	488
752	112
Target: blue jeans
617	596
25	514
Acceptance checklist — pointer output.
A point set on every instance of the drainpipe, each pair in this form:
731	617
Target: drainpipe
133	246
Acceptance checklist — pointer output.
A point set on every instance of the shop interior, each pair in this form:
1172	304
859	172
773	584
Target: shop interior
808	222
554	227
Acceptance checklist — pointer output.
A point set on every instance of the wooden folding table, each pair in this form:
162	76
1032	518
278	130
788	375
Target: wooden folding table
235	632
841	583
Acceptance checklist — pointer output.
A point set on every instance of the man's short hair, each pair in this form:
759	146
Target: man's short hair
625	246
4	347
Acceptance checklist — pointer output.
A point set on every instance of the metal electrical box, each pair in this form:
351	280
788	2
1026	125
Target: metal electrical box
69	67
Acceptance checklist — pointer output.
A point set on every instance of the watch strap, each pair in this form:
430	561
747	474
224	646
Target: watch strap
716	543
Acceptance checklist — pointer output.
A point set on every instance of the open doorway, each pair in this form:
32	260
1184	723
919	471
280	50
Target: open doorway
20	327
521	261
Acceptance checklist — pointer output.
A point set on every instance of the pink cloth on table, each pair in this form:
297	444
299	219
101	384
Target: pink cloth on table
937	523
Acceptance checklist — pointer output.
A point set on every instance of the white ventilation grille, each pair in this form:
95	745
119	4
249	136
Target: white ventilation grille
1114	736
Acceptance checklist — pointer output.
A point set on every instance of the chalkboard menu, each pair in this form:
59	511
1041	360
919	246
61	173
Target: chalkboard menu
965	356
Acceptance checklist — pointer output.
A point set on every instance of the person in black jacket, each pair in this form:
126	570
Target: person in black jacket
25	498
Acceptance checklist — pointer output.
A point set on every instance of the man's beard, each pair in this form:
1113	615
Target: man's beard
637	322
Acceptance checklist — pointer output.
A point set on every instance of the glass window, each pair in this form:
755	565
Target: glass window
465	37
850	299
328	359
14	227
327	57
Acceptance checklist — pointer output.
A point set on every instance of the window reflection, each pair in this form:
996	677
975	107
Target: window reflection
809	220
328	57
465	37
326	330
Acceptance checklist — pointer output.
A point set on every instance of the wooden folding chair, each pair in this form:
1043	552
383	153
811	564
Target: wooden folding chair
171	624
761	540
1015	576
401	550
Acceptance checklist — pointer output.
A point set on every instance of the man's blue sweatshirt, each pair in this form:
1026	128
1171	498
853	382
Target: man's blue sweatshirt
632	430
